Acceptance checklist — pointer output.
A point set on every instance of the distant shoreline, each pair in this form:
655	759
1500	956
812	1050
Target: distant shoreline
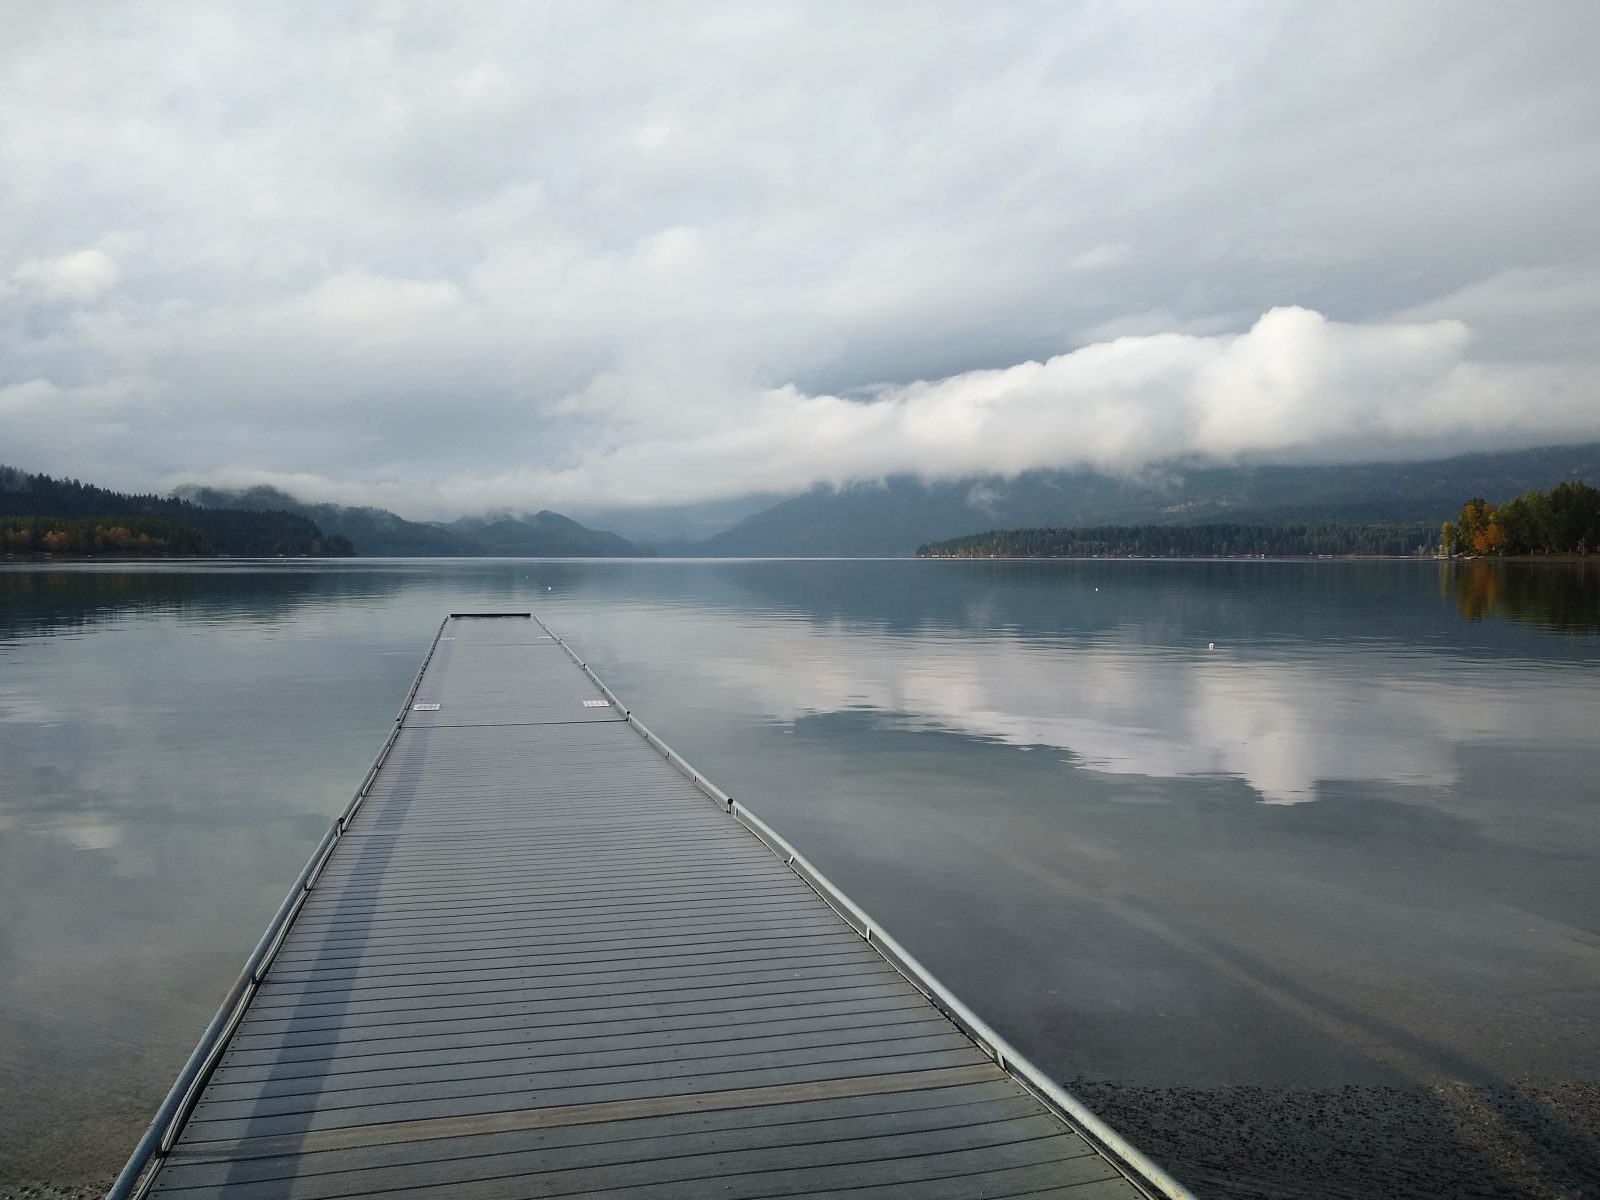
1554	559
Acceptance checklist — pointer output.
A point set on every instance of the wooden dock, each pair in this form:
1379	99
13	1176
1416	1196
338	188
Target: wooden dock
540	957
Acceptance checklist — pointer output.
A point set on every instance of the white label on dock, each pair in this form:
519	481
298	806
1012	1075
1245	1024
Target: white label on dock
597	704
424	708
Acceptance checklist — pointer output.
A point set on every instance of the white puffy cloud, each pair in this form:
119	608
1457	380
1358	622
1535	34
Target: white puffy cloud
1292	382
634	254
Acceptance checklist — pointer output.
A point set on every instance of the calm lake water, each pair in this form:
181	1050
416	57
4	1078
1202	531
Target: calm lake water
1356	843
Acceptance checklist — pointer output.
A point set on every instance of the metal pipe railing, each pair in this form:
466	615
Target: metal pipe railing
164	1127
1142	1171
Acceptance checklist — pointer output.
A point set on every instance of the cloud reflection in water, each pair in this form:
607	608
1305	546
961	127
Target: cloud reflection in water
1281	725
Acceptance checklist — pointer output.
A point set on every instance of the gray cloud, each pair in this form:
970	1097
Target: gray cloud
505	255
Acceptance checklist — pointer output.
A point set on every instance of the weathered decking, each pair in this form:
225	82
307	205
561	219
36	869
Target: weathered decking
542	961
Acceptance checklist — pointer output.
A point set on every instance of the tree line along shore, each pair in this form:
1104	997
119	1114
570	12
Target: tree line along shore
1560	522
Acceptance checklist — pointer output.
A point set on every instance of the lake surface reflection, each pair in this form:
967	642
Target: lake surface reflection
1293	824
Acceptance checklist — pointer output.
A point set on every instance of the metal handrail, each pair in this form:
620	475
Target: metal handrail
162	1132
1142	1171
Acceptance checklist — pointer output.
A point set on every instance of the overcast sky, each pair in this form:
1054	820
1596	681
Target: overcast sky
581	256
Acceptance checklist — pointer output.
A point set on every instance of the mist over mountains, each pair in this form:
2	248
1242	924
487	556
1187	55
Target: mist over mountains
890	518
893	517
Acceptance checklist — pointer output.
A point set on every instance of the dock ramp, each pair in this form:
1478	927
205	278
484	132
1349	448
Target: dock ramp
539	955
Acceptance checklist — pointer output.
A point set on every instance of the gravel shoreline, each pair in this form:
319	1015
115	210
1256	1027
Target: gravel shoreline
1529	1141
26	1189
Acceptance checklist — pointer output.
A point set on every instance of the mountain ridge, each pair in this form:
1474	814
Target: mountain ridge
892	518
377	532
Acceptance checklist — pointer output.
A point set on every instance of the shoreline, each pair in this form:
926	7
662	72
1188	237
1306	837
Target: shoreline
88	1187
1522	1140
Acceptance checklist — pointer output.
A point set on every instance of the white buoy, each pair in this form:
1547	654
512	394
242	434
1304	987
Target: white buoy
1211	645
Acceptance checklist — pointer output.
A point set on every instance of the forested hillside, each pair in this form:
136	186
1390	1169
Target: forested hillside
377	531
1192	541
1564	520
43	515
